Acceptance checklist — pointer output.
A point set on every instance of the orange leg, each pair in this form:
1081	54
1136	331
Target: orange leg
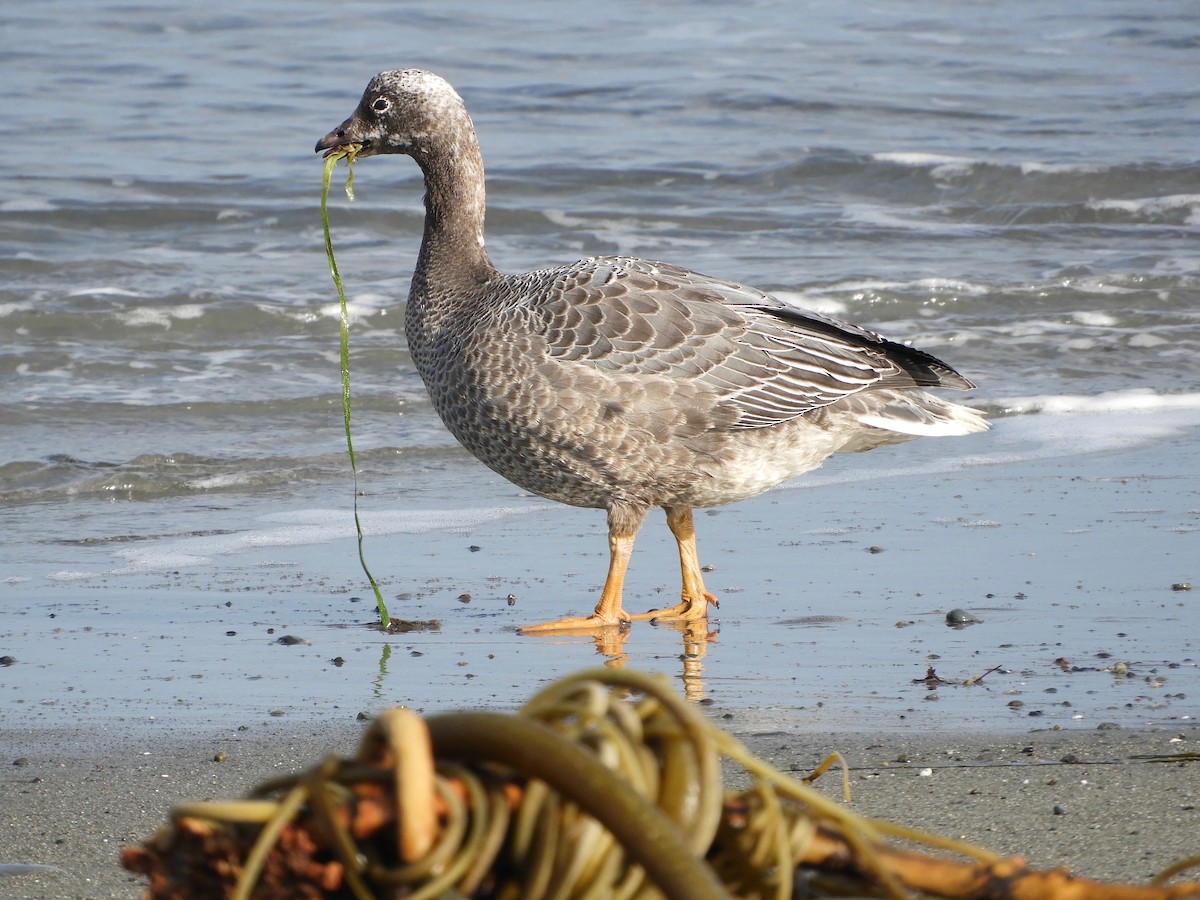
694	599
608	612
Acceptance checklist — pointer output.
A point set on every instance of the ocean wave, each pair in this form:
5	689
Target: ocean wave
1134	400
1032	429
1154	208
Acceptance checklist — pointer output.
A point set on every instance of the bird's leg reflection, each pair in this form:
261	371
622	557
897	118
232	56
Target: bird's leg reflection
610	643
695	636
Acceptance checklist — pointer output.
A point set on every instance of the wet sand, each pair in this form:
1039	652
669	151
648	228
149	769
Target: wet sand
127	679
1082	800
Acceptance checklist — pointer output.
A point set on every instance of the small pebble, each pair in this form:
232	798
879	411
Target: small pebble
220	756
7	660
464	598
1181	586
960	617
1059	811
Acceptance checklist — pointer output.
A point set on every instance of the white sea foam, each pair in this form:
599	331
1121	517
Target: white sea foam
816	302
1094	318
27	206
1153	206
1040	428
940	287
220	482
71	575
103	291
1043	168
161	316
924	160
302	528
1113	401
360	307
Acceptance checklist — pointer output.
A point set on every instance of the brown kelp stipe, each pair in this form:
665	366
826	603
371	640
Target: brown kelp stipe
606	784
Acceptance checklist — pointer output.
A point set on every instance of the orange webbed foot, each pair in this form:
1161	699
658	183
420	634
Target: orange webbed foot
687	610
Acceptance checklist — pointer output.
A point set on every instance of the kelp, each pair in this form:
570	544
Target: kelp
605	784
348	153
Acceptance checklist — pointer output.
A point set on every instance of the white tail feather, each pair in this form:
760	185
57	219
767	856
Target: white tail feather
930	417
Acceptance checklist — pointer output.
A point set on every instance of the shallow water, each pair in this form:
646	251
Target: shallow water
1014	188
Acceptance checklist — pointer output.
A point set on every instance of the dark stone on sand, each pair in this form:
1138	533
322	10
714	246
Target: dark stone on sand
960	618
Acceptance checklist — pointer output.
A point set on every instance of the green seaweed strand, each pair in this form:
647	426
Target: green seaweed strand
331	161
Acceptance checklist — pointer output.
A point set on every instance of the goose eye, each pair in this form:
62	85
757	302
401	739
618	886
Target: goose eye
381	105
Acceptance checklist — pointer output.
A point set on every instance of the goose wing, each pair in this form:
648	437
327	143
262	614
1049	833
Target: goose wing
768	360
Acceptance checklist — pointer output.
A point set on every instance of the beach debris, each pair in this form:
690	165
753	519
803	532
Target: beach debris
961	618
931	679
978	679
606	783
403	626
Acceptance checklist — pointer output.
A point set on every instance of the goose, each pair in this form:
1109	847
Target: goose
624	384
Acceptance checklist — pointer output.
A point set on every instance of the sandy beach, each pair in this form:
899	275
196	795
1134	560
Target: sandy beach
114	716
110	721
1082	800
